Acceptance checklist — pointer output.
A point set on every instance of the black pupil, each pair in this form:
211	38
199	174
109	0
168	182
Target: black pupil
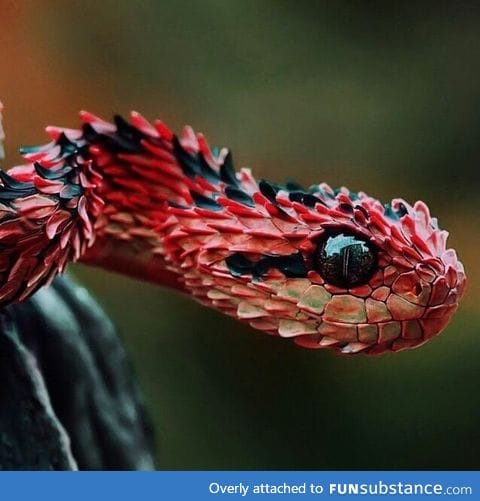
345	260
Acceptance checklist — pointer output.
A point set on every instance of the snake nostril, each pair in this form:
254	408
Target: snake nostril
418	289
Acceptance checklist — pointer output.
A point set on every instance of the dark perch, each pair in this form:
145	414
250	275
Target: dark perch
67	398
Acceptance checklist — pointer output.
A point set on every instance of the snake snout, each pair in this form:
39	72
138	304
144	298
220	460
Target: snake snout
447	288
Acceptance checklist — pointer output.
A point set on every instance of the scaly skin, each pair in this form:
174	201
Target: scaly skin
133	198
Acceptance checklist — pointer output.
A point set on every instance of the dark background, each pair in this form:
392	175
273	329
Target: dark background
378	96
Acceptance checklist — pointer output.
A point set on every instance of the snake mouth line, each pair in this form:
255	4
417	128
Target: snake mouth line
374	338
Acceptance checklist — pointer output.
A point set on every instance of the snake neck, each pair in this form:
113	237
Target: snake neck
154	192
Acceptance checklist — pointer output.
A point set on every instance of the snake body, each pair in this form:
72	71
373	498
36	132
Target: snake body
327	268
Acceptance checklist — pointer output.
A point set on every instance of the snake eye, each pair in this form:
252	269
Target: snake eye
345	260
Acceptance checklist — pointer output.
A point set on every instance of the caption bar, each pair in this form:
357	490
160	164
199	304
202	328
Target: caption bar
239	485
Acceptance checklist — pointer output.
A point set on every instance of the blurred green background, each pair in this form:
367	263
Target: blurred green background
379	96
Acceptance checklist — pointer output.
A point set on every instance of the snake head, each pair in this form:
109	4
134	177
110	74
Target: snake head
330	268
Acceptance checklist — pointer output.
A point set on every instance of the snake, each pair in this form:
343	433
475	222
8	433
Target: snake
327	268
